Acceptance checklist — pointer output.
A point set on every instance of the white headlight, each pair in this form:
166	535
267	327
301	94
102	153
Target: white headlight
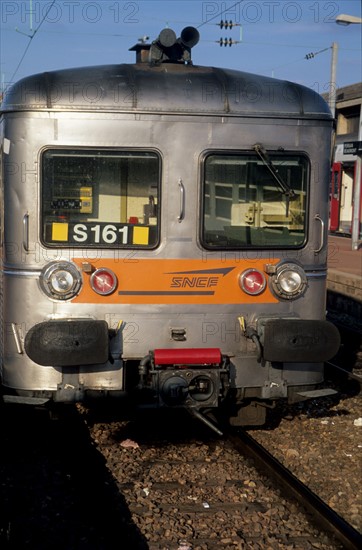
60	280
289	281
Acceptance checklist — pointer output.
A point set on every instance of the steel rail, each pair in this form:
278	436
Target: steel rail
328	519
349	374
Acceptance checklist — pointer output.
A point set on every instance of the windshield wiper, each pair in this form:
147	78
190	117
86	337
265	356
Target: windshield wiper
284	187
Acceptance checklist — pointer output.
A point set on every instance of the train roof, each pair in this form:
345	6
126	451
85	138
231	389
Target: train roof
168	88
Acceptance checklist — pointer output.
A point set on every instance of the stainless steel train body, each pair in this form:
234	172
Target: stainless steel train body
164	237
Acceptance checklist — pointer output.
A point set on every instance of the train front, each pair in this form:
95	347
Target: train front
165	236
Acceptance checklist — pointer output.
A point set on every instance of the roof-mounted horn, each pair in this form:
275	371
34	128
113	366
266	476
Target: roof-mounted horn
167	48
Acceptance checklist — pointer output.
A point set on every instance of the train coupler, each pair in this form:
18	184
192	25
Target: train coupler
192	378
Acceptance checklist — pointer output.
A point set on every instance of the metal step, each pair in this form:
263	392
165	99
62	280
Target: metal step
311	394
20	400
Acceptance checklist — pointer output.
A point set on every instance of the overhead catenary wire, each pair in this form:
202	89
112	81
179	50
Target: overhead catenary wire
228	8
212	19
313	54
31	37
310	55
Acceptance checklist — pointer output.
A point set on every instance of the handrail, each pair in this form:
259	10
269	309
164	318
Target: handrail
318	218
181	215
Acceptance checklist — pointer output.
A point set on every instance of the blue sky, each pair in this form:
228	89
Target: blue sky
273	36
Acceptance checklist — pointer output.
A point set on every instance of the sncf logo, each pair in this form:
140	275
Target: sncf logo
194	282
201	278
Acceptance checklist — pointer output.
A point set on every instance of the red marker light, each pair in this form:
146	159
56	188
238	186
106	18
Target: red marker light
103	281
252	282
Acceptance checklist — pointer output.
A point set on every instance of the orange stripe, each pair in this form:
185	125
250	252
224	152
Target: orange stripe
176	282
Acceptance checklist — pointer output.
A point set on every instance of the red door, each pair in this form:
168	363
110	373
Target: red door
335	196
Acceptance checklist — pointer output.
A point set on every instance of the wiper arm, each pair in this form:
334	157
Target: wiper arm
284	187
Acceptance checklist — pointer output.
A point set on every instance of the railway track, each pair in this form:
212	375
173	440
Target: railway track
346	374
157	484
324	452
327	518
203	493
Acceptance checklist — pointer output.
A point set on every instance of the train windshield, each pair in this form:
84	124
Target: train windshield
100	198
245	206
